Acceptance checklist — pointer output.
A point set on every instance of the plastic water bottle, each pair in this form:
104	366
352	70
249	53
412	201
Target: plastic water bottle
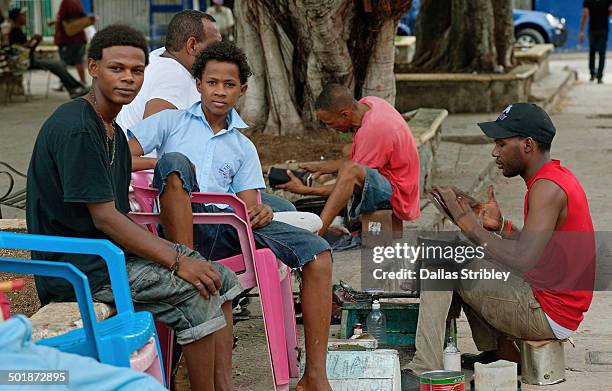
357	332
377	323
452	356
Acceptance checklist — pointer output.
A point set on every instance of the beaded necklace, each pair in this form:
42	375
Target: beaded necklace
108	127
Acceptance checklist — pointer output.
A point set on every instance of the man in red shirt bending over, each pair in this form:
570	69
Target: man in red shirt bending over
552	257
383	169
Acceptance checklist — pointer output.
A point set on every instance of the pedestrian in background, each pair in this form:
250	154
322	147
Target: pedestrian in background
597	12
71	46
225	19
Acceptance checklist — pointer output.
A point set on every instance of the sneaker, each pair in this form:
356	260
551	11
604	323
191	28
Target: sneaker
79	91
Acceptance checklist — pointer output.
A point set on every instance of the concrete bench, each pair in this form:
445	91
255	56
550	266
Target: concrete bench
404	49
59	318
535	55
464	92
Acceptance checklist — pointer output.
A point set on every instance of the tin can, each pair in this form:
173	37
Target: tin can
442	381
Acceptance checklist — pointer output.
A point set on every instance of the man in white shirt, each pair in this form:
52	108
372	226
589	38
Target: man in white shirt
169	84
168	81
224	17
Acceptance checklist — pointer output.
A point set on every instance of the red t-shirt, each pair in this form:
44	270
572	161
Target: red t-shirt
564	277
384	142
68	10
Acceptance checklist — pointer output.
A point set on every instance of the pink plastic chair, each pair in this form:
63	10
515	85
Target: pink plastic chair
147	360
254	267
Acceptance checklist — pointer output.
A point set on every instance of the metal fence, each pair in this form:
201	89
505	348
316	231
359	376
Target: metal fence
134	13
39	14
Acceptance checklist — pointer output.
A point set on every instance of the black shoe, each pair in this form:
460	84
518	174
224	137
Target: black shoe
468	360
600	81
592	78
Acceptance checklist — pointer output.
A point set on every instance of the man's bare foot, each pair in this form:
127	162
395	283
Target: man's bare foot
308	383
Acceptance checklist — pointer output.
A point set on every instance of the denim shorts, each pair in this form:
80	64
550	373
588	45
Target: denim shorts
277	203
294	246
375	195
174	301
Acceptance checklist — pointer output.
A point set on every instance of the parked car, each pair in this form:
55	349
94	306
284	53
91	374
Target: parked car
530	27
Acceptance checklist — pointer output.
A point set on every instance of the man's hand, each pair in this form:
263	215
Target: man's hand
295	184
37	37
460	209
318	169
581	36
204	276
489	212
260	216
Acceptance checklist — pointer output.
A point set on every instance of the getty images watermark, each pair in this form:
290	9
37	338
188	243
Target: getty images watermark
455	253
448	260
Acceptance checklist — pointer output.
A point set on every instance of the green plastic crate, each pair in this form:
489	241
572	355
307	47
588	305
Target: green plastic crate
401	321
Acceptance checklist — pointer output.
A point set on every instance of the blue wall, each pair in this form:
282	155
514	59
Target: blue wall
87	6
571	10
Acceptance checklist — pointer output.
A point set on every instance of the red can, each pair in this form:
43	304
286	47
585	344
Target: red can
442	381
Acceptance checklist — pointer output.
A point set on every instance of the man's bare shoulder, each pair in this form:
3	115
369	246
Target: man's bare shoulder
546	192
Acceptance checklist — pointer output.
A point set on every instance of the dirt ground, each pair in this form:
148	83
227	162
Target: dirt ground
24	301
312	145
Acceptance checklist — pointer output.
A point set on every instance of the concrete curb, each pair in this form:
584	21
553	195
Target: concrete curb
551	101
13	225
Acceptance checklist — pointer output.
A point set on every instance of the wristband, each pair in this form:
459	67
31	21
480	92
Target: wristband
175	267
508	227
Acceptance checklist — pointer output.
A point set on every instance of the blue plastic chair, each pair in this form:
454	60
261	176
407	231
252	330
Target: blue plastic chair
110	341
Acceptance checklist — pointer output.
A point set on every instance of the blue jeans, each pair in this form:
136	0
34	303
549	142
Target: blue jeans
292	245
375	195
276	203
59	70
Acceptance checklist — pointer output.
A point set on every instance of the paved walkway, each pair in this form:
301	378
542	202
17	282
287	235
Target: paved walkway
583	143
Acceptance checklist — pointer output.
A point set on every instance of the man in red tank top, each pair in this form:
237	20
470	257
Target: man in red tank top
552	257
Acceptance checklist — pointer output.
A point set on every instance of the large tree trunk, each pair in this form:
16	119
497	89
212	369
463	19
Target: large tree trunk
464	36
295	47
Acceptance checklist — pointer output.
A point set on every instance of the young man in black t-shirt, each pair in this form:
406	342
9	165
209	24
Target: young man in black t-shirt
77	186
597	12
